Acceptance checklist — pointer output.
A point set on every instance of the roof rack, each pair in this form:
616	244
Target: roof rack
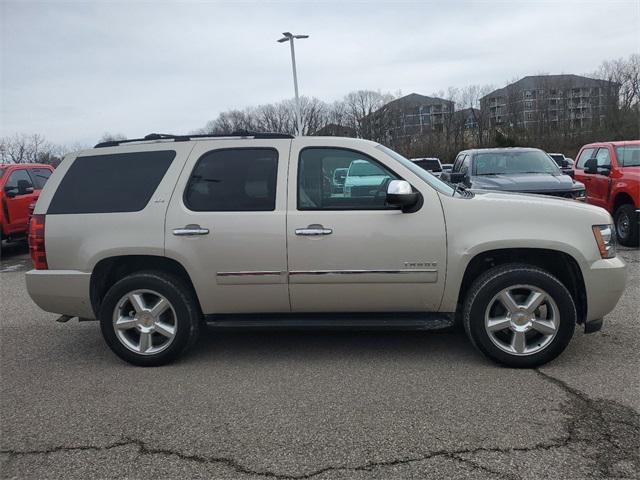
186	138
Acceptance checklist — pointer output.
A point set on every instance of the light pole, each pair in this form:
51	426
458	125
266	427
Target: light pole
289	37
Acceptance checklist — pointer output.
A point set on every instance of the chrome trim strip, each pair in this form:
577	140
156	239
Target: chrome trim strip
359	272
249	273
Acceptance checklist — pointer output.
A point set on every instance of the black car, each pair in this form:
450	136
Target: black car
521	170
565	164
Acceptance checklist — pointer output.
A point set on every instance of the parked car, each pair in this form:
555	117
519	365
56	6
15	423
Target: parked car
20	186
521	170
447	167
611	173
365	179
430	164
155	236
565	164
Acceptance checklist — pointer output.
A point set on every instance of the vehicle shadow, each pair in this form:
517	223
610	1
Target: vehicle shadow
254	345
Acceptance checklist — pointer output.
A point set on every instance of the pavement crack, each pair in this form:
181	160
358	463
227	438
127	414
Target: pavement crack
608	430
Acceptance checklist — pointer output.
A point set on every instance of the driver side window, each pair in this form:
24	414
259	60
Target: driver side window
337	179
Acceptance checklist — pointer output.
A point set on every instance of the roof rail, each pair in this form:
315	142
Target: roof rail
186	138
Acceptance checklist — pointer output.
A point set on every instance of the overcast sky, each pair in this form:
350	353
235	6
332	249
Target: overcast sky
74	70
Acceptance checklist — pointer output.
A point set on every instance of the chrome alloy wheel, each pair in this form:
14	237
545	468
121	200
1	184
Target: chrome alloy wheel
145	322
522	320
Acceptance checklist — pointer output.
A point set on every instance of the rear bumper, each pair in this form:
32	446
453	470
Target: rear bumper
605	281
61	291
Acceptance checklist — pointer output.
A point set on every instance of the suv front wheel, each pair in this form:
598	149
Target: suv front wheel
519	315
149	318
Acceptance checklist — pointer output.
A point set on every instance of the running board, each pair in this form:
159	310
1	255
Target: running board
335	321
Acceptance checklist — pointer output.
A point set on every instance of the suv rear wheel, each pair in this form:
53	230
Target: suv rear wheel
519	315
626	225
149	318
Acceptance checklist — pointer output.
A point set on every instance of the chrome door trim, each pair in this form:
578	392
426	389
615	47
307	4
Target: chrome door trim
360	272
425	275
253	277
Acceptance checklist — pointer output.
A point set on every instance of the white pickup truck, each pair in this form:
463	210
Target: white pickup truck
156	236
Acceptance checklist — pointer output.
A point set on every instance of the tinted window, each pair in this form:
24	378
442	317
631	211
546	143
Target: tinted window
16	177
40	177
364	187
122	182
586	154
432	165
629	155
234	180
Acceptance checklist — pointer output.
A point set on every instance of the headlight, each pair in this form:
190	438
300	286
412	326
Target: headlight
606	240
580	195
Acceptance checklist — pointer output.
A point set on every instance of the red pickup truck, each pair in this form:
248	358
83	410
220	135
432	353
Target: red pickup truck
610	172
20	186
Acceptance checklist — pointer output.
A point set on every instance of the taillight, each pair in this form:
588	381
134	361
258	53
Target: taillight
36	242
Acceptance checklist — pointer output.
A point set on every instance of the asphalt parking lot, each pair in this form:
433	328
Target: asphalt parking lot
313	405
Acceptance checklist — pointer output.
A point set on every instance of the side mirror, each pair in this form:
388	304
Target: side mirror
24	187
457	177
400	194
591	166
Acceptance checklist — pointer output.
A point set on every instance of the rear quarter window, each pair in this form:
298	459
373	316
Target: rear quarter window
121	182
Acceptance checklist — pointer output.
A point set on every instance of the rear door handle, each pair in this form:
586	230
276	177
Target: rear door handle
314	230
190	230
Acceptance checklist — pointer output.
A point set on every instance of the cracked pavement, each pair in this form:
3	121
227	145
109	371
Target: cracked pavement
320	405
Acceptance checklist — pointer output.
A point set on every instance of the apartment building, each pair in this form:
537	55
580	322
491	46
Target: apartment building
569	101
408	116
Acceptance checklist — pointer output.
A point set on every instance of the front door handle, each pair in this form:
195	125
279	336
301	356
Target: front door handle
314	230
190	230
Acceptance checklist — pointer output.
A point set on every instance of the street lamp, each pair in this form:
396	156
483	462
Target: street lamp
289	37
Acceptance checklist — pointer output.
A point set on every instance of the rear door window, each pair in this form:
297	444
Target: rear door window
234	180
121	182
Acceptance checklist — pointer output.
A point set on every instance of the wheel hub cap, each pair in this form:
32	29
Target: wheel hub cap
145	322
522	319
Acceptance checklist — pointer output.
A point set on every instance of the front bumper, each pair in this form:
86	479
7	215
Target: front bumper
605	281
61	291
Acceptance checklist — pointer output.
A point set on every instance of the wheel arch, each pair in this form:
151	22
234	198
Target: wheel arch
560	264
622	198
111	269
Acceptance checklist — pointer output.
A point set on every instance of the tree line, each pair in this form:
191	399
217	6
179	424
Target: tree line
622	121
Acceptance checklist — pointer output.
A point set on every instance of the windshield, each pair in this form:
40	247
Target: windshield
507	163
435	182
629	155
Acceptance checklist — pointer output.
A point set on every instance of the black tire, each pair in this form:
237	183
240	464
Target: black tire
188	318
489	284
629	236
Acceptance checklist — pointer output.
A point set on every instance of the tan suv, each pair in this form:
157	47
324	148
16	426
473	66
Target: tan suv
155	236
